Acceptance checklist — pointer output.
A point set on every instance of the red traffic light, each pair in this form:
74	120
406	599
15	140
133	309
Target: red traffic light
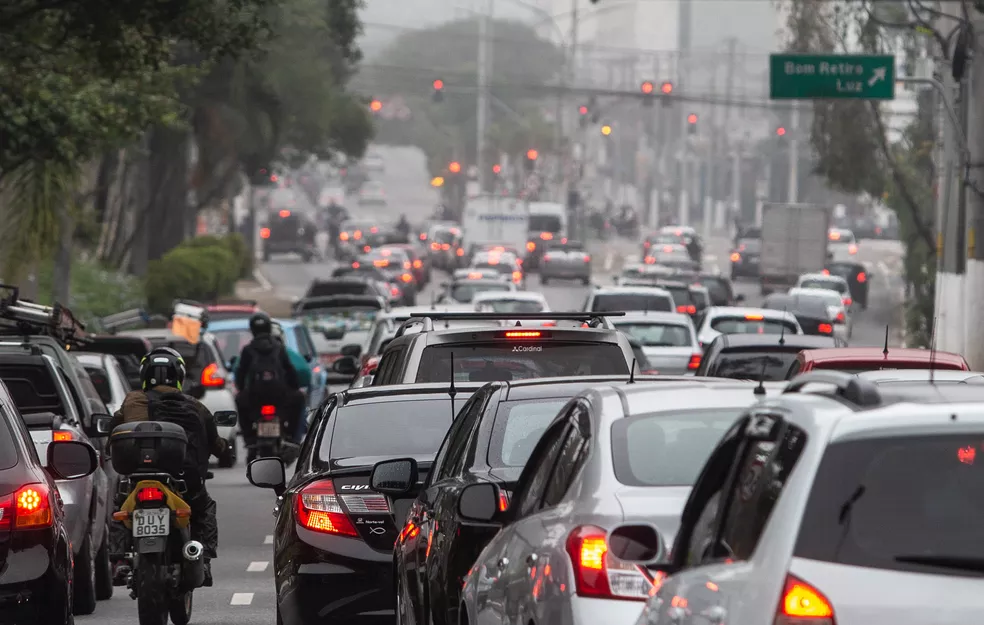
692	118
666	87
532	154
438	84
583	110
647	87
780	131
497	169
375	106
454	167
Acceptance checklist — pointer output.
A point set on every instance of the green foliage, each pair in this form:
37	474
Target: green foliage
96	291
235	244
191	271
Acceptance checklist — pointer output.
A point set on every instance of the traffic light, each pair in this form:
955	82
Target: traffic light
780	131
375	106
454	167
606	130
582	112
692	123
666	89
438	90
497	169
647	88
531	156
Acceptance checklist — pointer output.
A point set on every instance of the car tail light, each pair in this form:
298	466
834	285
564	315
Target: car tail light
344	236
374	230
357	235
852	250
649	260
801	603
211	377
825	328
317	508
646	245
517	277
461	251
285	213
418	264
61	435
503	501
754	317
423	236
862	278
435	246
840	318
598	573
531	246
826	272
667	249
28	508
848	301
546	236
395	291
546	257
355	265
735	257
687	310
264	233
150	493
694	363
587	258
366	248
407	265
445	246
406	277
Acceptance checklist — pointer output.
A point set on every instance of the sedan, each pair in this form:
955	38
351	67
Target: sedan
667	338
565	261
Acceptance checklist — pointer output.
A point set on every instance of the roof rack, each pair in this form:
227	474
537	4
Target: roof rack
27	318
426	319
860	392
128	319
192	309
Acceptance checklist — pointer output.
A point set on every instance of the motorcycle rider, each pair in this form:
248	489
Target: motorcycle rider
304	378
162	372
265	376
403	226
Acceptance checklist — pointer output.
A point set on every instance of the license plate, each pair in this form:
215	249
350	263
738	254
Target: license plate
268	430
154	522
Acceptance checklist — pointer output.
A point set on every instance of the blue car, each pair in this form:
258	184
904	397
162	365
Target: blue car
233	334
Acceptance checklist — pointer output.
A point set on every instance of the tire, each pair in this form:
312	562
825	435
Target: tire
84	592
179	607
58	611
280	619
104	570
230	456
151	589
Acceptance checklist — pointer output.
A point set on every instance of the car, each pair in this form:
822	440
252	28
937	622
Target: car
127	350
660	254
857	277
839	314
719	289
565	261
510	302
509	267
828	282
858	359
765	357
845	504
689	299
382	283
331	520
352	237
289	233
745	258
811	312
388	322
339	326
207	379
629	298
43	398
547	222
617	455
463	290
395	263
718	320
675	236
633	272
353	284
421	353
38	572
667	338
107	377
477	248
232	310
420	265
444	250
372	193
841	245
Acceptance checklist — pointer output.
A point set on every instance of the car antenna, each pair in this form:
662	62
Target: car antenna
932	354
452	391
760	389
885	349
782	334
632	372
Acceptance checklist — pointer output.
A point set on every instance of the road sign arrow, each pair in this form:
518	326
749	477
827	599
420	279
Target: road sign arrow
877	74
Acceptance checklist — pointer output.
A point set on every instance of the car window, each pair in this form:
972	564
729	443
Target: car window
902	503
820	283
536	474
442	453
232	342
452	463
100	380
8	451
615	302
303	342
569	460
517	429
655	334
766	365
88	388
464	292
751	324
489	362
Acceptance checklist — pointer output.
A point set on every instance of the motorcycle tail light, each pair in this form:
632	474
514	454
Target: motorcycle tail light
150	493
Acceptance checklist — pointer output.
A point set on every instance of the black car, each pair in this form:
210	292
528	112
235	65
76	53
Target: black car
811	312
334	536
719	289
288	232
759	357
490	441
857	279
745	258
36	563
354	284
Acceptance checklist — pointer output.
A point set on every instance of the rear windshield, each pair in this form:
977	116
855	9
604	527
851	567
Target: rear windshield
545	223
519	361
902	503
221	315
681	295
101	382
511	306
498	267
744	325
325	289
615	302
232	342
820	283
667	449
8	452
848	271
768	366
465	291
717	289
517	428
655	334
391	428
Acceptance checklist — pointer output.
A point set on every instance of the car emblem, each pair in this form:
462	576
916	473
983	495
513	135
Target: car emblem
377	530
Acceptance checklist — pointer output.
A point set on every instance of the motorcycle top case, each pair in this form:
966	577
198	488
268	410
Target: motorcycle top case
148	446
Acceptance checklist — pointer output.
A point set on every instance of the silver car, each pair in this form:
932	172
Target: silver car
108	378
668	340
565	261
626	454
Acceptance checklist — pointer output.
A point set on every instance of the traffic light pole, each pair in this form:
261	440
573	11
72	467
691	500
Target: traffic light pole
483	93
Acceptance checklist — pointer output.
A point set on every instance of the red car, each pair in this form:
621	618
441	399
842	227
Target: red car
858	359
237	310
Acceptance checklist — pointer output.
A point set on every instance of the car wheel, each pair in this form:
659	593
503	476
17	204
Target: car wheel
84	599
230	456
104	569
58	609
586	281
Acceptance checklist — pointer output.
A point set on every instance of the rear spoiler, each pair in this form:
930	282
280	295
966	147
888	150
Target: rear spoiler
38	420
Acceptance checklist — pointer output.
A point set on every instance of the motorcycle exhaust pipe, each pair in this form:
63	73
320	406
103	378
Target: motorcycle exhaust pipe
193	551
193	567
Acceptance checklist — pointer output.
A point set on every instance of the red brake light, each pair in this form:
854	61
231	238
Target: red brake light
417	264
318	509
646	244
840	317
355	265
28	508
395	291
268	411
826	272
694	363
503	501
264	233
650	260
406	277
687	310
522	334
344	236
445	246
210	377
862	278
61	435
150	494
435	246
848	301
460	252
285	213
374	230
597	573
825	328
802	603
531	246
587	258
754	317
517	277
667	249
423	236
546	257
546	236
735	257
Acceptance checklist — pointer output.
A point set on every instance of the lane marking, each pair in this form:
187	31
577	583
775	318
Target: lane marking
268	539
257	567
241	598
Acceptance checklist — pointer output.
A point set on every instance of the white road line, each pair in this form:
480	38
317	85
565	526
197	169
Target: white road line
257	567
268	539
609	261
241	598
264	283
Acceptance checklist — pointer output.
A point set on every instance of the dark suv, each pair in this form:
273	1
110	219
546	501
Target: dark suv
288	232
484	354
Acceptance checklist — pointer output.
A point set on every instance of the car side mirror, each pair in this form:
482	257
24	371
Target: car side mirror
479	503
352	350
739	298
71	460
225	418
101	424
267	473
346	365
638	543
394	477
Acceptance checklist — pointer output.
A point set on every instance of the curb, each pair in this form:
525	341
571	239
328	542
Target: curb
261	279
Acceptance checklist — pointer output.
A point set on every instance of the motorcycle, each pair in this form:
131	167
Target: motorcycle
271	436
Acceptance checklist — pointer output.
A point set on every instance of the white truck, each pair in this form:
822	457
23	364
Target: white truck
794	242
495	219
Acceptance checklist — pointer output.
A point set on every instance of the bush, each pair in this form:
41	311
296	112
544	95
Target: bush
95	291
236	245
192	270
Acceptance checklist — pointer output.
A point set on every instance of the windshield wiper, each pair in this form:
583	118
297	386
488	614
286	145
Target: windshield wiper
959	563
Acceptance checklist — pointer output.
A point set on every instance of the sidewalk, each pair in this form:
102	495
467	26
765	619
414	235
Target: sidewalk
266	298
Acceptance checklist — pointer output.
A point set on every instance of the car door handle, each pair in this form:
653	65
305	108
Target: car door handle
531	559
503	563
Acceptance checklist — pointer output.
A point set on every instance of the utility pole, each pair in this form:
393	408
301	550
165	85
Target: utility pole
484	61
793	195
974	349
709	187
683	64
735	199
577	218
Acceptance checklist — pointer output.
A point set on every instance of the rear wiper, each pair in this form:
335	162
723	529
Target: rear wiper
960	563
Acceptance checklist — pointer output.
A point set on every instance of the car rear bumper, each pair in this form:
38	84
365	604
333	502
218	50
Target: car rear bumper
565	271
585	611
32	578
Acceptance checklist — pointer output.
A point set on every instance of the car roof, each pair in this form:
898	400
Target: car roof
880	376
686	394
538	388
404	392
615	290
656	316
405	312
822	276
742	311
530	296
791	341
799	291
896	354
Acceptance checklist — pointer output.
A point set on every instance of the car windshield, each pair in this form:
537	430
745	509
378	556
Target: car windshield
614	302
667	448
751	324
517	429
820	283
232	342
902	503
847	271
390	428
465	291
489	362
545	223
767	366
656	334
511	306
350	318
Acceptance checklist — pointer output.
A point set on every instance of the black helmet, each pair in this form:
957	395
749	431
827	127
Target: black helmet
260	324
162	366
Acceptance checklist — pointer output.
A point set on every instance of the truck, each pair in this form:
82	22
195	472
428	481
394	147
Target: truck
794	242
495	219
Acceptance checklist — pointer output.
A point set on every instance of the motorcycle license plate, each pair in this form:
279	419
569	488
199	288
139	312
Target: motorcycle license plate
268	430
153	522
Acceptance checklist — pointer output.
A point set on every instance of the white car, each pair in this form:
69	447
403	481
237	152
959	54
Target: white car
629	298
841	245
840	315
108	378
372	192
829	282
668	340
511	302
718	320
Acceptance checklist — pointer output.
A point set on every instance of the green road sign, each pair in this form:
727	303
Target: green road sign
836	76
